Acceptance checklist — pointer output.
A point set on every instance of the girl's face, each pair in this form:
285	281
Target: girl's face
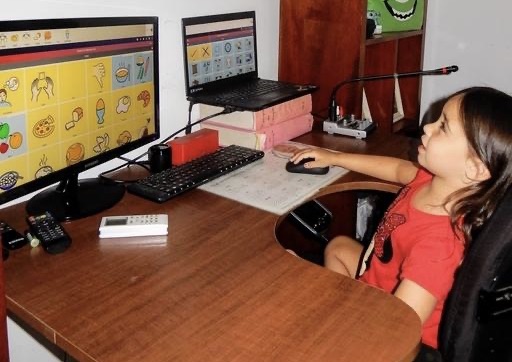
445	151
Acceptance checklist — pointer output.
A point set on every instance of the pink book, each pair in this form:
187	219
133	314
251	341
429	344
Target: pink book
259	120
263	139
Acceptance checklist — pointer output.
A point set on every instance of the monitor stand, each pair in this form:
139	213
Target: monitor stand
74	199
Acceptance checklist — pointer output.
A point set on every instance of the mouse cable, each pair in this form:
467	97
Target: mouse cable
134	161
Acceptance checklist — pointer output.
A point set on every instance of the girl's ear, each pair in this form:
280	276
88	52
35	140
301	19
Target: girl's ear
476	170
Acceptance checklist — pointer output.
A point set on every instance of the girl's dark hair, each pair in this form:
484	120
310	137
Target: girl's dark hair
486	115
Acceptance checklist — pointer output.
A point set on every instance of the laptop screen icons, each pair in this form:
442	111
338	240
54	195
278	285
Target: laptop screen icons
218	47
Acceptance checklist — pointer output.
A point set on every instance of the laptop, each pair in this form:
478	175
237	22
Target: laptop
221	64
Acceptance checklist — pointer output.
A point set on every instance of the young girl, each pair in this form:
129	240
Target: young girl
463	172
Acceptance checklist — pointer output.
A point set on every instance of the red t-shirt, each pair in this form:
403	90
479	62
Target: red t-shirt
411	244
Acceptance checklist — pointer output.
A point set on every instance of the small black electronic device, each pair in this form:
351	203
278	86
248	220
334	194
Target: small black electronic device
11	239
50	233
299	167
314	218
159	157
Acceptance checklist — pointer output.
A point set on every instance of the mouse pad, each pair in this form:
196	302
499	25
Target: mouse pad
267	185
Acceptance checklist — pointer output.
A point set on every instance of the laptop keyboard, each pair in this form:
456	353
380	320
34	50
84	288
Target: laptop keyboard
172	182
259	87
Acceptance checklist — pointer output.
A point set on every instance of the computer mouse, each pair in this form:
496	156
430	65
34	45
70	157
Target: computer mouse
299	167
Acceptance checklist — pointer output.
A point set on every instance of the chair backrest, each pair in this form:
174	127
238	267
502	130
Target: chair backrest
478	313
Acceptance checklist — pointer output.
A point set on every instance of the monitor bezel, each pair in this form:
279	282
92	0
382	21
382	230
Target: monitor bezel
86	164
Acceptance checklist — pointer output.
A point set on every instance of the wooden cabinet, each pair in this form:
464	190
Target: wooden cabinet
323	42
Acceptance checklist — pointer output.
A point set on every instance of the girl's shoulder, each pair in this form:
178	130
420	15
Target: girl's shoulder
422	176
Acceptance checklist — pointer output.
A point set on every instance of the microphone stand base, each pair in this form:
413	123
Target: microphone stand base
349	127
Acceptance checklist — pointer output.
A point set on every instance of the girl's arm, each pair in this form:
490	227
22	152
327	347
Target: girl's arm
385	168
417	298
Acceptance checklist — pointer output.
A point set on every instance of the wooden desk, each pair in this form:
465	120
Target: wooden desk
218	288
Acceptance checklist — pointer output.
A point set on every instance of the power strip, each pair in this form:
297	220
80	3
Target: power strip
349	127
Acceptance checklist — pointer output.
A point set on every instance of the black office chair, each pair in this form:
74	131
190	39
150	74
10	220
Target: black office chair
477	317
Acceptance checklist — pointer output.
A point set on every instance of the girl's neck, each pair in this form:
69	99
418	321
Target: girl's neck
433	197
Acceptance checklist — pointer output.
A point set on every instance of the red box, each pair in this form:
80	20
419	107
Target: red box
194	145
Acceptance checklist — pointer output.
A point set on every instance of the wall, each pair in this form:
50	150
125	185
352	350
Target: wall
173	105
473	35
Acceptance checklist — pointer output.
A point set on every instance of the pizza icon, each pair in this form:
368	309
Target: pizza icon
44	127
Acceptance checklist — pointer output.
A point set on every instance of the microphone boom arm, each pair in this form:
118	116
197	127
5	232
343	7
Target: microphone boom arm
333	104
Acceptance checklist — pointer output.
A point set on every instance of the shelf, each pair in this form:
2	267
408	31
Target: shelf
385	37
323	42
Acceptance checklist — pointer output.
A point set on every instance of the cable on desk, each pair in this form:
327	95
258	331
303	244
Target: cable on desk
188	129
133	161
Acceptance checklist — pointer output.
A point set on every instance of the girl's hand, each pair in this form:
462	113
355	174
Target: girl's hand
322	157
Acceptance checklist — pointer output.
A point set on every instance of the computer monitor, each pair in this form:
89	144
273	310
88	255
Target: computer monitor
74	93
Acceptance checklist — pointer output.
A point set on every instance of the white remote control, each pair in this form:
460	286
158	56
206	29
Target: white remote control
133	225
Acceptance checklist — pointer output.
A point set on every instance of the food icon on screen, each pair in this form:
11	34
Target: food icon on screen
4	130
99	73
42	83
44	127
100	110
123	104
4	147
76	115
145	97
44	169
75	153
9	179
122	74
140	63
101	143
15	140
124	138
12	83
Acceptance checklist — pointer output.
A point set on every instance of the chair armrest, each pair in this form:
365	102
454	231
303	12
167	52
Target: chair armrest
358	185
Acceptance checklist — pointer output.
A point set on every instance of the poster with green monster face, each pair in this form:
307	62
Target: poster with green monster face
398	15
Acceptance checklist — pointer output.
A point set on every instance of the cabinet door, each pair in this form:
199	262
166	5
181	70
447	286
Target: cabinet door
321	42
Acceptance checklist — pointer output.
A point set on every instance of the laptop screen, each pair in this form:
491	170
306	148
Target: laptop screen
219	50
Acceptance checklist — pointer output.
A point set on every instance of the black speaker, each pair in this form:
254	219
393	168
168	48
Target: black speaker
159	157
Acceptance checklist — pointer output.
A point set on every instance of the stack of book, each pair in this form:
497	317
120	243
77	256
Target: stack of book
263	129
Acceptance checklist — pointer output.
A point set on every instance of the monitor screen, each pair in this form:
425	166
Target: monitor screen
217	47
74	93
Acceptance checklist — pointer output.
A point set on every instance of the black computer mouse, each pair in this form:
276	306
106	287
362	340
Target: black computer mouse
299	167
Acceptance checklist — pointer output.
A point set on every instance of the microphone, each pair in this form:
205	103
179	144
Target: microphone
333	105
